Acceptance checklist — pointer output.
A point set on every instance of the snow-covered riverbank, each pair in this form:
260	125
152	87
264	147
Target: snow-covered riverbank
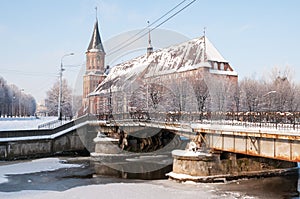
23	123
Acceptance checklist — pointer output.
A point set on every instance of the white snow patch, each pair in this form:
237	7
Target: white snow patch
34	166
187	153
22	123
116	191
223	72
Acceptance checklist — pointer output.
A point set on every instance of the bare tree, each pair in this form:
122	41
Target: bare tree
201	94
14	102
138	98
76	103
284	90
51	100
251	94
221	91
179	93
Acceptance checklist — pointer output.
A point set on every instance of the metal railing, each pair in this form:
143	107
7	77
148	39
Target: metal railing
53	124
275	120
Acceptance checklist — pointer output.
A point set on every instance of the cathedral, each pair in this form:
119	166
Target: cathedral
187	77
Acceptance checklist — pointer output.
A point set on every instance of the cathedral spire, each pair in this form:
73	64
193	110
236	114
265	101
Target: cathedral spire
96	43
204	43
96	9
149	48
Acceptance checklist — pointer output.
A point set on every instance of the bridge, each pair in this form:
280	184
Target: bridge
263	134
226	145
256	142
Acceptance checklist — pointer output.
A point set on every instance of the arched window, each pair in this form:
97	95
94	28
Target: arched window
215	66
222	66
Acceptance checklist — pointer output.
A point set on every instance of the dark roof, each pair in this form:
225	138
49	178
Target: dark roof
95	42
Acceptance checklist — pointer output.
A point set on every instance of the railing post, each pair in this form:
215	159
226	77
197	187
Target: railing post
294	122
260	120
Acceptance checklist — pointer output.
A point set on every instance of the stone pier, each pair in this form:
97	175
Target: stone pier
201	166
111	158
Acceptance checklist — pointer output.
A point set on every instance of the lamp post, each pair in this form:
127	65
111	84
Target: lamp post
60	85
268	94
20	110
12	105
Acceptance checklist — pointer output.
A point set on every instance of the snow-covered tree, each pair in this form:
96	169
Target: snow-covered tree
51	100
138	98
76	103
221	92
180	90
15	102
283	89
251	94
201	94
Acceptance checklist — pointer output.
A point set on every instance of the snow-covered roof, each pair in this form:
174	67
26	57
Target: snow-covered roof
190	55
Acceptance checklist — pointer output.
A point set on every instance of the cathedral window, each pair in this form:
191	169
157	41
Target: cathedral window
215	66
222	66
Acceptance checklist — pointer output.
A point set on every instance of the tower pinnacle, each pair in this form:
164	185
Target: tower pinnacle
96	43
204	45
149	48
96	13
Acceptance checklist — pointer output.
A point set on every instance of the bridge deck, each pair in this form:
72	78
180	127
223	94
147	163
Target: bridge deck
282	143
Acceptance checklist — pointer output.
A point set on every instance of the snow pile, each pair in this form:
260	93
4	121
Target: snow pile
34	166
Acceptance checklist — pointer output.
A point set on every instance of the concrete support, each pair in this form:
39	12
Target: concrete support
214	167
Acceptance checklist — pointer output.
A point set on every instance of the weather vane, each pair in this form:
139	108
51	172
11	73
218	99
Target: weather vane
96	12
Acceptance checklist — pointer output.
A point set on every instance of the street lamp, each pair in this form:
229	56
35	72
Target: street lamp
60	85
20	111
268	94
12	105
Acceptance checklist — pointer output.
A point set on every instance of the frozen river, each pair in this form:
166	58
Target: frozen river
73	178
67	177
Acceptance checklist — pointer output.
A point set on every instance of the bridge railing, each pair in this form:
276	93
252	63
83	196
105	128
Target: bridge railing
54	123
276	120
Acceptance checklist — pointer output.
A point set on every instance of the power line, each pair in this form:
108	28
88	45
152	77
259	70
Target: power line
25	73
5	70
125	44
173	15
146	28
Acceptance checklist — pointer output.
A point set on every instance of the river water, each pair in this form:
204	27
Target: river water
66	180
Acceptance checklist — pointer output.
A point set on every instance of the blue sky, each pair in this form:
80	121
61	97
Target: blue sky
254	36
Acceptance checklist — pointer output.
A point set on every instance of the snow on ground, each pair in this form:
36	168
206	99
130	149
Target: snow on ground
34	166
23	123
149	190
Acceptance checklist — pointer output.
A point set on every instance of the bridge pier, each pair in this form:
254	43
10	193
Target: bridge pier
215	166
138	153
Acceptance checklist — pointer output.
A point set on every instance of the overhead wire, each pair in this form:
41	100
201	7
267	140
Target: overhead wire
173	15
25	73
146	28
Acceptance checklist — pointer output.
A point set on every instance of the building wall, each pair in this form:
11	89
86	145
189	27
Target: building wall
121	101
95	61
